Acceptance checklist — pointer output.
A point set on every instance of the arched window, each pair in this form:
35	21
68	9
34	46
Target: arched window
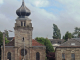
63	56
21	23
37	56
23	39
72	56
24	23
9	55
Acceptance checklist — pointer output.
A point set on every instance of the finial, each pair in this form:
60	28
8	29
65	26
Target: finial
22	2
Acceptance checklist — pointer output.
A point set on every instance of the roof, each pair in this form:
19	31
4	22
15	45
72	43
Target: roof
34	43
71	43
59	41
11	43
10	38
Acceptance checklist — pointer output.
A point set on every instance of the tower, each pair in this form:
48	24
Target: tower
23	27
22	47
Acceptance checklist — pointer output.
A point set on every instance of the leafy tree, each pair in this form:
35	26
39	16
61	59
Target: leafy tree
76	32
45	42
1	37
51	55
67	36
1	41
56	32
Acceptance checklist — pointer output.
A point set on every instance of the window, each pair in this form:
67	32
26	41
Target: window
59	42
21	23
72	56
23	39
37	56
9	55
23	52
63	56
72	43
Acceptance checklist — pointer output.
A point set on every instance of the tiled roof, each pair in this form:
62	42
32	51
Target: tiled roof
59	41
34	43
71	43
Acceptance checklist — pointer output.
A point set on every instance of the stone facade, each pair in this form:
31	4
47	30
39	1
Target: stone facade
67	51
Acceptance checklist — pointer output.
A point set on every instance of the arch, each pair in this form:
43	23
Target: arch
21	23
37	56
9	55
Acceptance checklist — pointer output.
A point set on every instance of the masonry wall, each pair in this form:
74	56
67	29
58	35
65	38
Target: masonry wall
67	52
41	50
8	49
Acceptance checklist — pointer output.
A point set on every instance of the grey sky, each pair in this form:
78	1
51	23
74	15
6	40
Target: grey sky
42	19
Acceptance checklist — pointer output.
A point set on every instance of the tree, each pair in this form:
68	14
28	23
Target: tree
51	55
56	32
46	42
76	32
1	41
1	37
67	36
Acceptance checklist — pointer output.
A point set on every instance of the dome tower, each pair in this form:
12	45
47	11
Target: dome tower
23	11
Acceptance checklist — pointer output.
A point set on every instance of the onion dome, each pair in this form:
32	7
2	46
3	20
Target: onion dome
23	11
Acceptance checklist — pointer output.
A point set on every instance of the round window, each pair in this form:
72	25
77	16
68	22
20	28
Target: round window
23	52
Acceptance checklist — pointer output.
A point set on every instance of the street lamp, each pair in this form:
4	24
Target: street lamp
4	35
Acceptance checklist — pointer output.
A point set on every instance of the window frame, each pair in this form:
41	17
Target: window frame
72	56
9	55
63	56
37	56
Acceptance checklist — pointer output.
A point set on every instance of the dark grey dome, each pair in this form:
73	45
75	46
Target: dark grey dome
23	11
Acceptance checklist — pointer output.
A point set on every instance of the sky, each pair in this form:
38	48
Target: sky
44	13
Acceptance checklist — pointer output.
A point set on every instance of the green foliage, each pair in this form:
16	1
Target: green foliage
67	36
1	37
56	32
76	32
6	40
45	42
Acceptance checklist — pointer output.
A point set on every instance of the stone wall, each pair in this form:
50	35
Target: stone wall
67	52
23	31
8	49
41	50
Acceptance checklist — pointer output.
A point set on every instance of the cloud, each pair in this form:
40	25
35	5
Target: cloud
42	20
1	1
39	3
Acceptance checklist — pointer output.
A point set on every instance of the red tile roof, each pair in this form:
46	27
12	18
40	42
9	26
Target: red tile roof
34	43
